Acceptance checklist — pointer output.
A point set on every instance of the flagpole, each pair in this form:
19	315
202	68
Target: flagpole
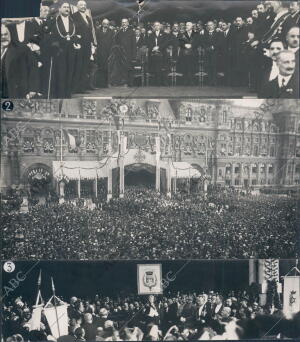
38	288
54	297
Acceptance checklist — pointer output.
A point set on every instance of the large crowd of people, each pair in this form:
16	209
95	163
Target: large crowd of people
171	317
65	52
145	225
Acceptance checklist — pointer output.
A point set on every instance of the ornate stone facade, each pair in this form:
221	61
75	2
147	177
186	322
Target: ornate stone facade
235	145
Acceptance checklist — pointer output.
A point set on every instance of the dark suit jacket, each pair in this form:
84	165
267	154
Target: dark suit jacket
19	73
29	34
83	28
105	42
58	42
163	41
290	91
127	41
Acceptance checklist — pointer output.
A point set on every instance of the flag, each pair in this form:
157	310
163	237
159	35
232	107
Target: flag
52	285
71	139
40	279
149	278
291	296
57	318
35	321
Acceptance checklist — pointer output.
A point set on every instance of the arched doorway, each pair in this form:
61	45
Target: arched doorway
142	175
38	179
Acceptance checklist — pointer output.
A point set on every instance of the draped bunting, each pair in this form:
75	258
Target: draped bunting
74	170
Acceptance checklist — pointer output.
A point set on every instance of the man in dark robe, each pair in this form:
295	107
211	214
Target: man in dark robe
19	78
239	36
105	39
224	52
64	43
187	63
84	28
123	56
41	29
158	41
211	42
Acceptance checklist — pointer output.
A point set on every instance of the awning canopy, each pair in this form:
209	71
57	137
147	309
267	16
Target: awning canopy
80	169
184	170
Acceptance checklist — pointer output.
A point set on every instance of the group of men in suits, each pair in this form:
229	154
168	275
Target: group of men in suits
260	52
59	48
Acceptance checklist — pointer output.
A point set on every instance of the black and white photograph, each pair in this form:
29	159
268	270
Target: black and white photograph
150	179
153	48
199	300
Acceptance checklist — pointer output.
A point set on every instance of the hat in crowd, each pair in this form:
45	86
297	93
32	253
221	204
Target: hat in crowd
103	312
73	300
108	324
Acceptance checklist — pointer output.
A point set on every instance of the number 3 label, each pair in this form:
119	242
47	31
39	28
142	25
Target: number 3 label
9	266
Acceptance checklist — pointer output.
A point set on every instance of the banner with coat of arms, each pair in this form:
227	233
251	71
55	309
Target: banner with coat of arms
291	295
149	279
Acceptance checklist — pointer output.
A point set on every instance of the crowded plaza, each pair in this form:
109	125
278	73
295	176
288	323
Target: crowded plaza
147	225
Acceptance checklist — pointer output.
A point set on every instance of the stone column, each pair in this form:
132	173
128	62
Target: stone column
169	179
109	182
250	175
266	173
157	171
258	174
62	191
121	163
79	188
241	173
96	186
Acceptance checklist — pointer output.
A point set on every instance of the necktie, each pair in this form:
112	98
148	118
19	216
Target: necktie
283	83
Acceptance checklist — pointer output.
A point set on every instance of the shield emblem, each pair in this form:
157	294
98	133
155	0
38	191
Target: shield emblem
140	139
149	279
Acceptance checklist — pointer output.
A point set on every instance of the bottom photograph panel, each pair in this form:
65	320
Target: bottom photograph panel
150	301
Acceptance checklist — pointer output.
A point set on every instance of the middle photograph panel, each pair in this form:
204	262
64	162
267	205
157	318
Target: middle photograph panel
150	179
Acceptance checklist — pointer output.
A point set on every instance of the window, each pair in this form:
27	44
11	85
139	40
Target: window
224	116
236	182
271	169
297	170
272	151
188	115
220	172
254	169
253	181
255	150
237	169
90	141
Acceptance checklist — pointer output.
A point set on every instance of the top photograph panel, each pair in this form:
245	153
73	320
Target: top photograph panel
162	48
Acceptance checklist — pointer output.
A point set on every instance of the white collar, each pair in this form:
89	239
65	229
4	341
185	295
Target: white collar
293	49
286	80
274	71
20	24
3	54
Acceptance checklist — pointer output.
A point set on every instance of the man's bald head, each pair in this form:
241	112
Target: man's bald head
105	22
81	5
